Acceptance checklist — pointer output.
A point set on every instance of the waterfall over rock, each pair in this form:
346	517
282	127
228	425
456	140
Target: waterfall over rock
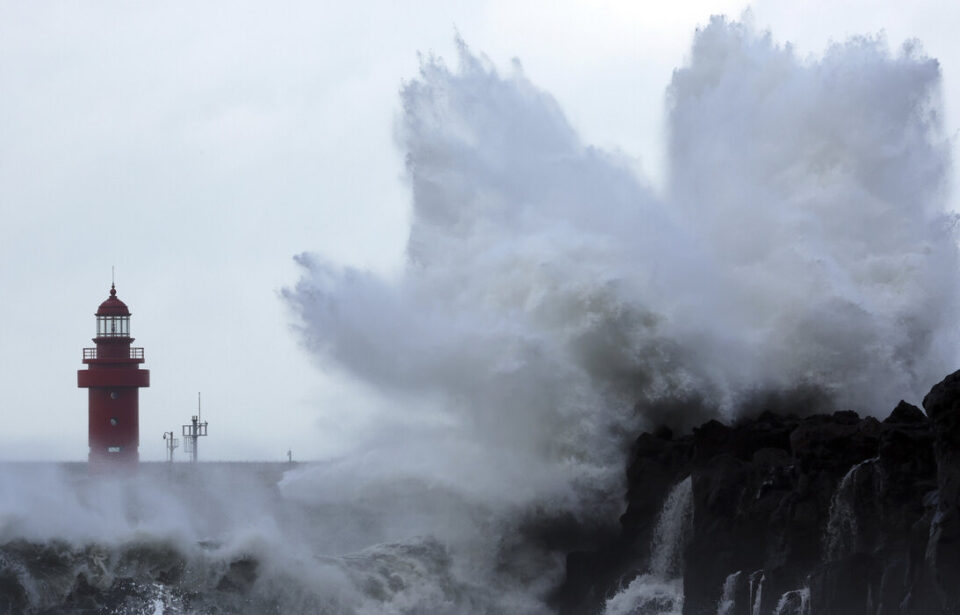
840	538
728	597
671	531
659	591
756	592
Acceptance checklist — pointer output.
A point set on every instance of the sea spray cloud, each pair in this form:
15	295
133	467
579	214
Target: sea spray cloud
818	191
512	310
552	301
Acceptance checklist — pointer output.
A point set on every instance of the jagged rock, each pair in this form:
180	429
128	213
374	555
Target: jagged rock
862	513
942	404
905	413
823	442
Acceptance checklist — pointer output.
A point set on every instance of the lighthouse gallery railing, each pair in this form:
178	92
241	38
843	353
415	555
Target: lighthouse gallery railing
91	353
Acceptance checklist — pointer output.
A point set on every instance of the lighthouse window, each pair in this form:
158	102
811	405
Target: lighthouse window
113	421
113	326
113	449
114	395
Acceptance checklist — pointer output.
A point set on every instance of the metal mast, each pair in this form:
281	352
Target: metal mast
172	443
193	431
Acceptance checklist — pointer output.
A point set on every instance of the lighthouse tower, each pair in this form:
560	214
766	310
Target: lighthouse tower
113	377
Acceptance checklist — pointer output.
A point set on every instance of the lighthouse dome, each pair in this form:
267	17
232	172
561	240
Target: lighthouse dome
113	306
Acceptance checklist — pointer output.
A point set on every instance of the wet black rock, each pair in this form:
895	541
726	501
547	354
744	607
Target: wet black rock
942	404
838	514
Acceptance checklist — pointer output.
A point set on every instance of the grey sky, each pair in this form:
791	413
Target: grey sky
197	148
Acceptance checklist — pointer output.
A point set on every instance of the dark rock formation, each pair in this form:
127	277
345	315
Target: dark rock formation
942	404
852	515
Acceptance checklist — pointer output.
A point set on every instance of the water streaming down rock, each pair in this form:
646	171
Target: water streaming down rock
840	537
672	531
659	591
795	602
756	592
728	598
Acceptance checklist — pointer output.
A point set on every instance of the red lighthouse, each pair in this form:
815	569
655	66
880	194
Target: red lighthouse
113	378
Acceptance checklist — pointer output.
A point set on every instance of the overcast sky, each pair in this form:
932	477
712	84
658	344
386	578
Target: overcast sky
198	147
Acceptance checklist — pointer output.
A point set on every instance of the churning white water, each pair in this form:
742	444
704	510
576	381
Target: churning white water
659	591
227	538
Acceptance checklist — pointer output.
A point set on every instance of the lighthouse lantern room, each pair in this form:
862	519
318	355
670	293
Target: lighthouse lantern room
113	378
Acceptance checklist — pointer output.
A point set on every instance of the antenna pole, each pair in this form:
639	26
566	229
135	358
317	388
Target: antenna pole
193	431
172	443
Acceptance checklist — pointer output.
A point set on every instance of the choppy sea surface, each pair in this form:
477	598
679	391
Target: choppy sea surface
252	538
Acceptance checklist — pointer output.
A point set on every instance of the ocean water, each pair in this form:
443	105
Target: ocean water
244	538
